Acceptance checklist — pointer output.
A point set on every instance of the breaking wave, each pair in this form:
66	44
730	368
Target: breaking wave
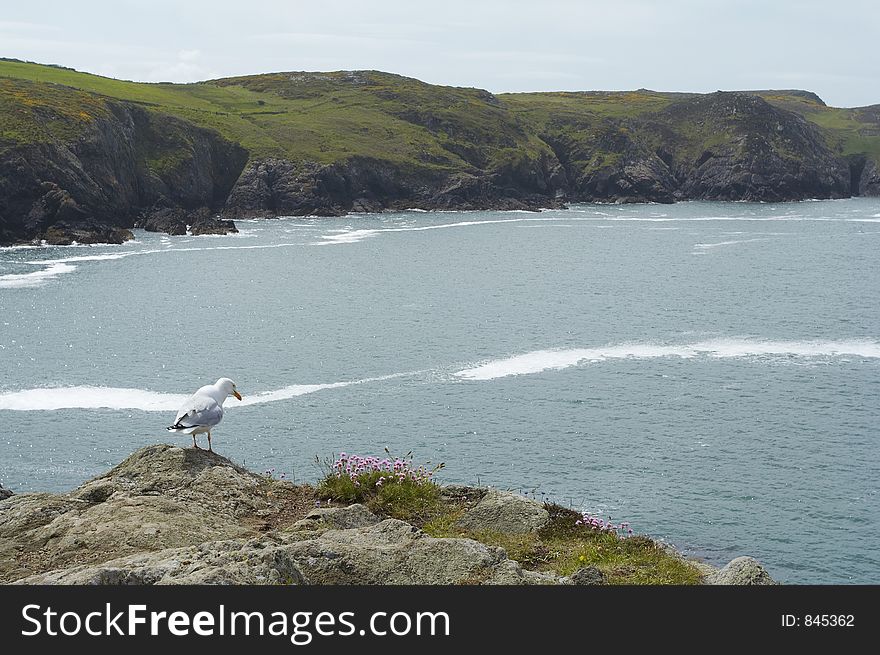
544	360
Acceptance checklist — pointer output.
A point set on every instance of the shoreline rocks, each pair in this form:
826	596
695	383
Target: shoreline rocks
169	515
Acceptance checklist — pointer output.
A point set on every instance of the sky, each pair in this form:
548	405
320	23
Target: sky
500	45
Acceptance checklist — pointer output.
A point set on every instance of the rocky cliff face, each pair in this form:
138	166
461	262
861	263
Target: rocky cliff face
719	146
169	515
278	187
124	166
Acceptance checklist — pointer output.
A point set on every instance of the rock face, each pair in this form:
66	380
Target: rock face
767	153
388	552
342	518
176	221
741	571
160	497
92	188
280	187
5	493
586	575
169	515
506	512
718	146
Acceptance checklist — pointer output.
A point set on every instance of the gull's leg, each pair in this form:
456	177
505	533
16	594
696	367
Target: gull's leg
195	445
209	441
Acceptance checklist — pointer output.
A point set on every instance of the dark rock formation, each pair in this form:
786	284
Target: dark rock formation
718	146
94	188
763	153
279	187
5	493
176	221
869	179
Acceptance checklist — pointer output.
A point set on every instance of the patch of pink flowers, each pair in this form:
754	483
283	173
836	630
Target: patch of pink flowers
389	469
596	523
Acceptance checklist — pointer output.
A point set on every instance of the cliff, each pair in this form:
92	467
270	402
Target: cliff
86	158
168	515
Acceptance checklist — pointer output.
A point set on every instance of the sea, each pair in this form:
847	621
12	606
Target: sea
708	372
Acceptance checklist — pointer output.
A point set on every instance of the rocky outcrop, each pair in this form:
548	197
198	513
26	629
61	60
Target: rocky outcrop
388	552
761	152
503	511
160	497
869	179
176	221
717	146
279	187
93	188
342	518
5	493
169	515
586	575
741	571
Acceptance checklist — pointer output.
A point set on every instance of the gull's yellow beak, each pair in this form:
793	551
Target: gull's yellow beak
236	394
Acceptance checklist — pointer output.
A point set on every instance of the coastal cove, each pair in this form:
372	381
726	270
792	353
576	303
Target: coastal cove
706	371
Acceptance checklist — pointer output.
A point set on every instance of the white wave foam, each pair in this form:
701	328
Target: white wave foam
706	246
544	360
353	236
91	397
36	278
86	258
55	267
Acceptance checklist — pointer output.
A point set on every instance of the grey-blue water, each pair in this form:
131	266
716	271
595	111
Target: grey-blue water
708	372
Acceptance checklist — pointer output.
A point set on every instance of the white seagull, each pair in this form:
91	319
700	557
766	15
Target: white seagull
204	409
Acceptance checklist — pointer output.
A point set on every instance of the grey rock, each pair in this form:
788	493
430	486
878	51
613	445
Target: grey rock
389	552
220	562
586	575
160	497
741	571
353	516
505	512
460	492
5	493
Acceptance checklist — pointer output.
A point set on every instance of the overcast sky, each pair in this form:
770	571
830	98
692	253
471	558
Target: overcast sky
501	45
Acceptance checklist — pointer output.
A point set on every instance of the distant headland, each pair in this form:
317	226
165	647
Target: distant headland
85	158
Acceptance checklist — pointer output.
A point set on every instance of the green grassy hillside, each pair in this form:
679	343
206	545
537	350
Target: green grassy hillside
325	117
322	117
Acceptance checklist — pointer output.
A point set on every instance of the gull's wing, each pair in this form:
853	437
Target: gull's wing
199	411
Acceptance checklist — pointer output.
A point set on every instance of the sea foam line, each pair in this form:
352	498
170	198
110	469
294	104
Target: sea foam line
353	236
94	397
54	268
707	246
545	360
35	278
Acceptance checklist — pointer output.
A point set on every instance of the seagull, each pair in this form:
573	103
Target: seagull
204	409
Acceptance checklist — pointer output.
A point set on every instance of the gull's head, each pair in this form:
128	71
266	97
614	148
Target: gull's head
227	387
